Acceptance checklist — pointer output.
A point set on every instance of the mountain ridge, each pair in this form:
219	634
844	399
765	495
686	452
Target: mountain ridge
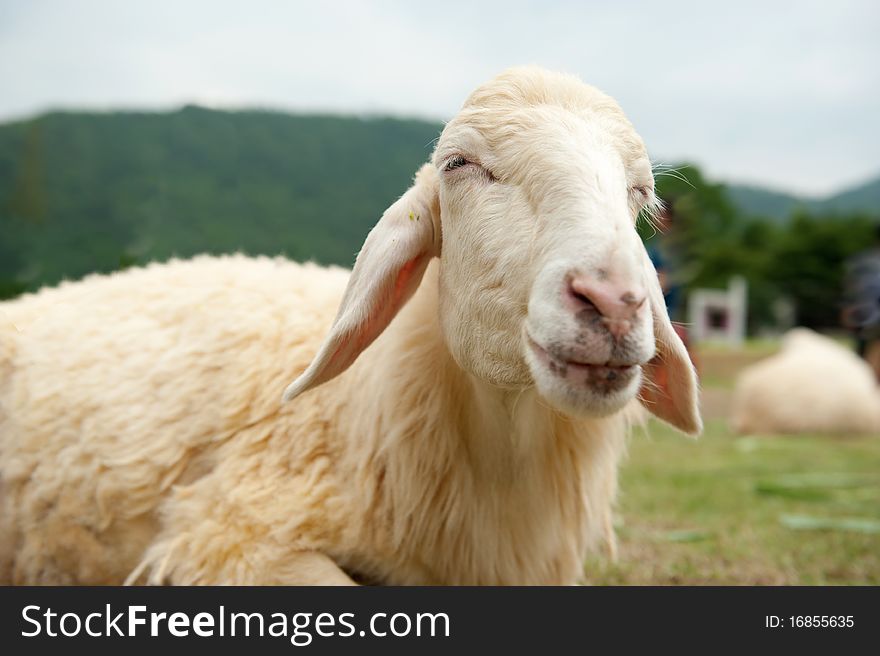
754	200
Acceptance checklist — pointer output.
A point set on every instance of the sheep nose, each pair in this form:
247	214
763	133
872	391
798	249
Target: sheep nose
617	303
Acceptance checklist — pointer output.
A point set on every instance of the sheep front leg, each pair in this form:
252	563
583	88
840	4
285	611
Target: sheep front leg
182	562
210	540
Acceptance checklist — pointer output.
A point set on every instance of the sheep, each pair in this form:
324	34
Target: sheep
459	421
813	385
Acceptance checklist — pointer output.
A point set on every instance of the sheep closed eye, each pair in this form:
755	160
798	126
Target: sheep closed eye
642	198
641	193
461	163
455	163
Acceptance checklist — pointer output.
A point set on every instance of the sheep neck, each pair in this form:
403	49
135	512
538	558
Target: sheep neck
513	478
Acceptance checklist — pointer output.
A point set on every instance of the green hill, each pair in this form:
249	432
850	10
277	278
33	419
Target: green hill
81	191
779	206
863	198
756	201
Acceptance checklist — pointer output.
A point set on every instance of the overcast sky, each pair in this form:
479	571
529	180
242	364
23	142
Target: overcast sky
780	94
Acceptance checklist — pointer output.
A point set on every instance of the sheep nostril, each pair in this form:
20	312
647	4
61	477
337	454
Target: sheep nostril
617	303
632	300
581	299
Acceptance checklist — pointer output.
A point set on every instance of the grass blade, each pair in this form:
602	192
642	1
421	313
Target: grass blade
811	523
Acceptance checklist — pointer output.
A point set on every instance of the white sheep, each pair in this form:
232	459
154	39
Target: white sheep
813	385
476	440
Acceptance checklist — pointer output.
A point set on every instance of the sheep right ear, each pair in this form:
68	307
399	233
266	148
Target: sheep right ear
386	273
671	391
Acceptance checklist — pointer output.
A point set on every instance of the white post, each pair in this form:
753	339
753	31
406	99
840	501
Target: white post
732	302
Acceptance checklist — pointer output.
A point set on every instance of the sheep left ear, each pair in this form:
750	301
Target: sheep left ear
387	271
670	391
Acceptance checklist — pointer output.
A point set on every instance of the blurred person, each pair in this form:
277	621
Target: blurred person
861	311
662	254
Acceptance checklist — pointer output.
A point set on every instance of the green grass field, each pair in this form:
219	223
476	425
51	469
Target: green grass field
752	510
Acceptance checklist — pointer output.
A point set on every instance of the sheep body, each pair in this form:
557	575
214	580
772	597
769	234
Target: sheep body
813	385
119	389
187	459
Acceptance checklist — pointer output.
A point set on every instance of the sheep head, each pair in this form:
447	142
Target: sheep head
530	203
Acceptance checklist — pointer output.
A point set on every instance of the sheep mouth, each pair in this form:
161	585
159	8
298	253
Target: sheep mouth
605	377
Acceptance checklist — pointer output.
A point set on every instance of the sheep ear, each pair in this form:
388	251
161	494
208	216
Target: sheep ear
670	390
386	273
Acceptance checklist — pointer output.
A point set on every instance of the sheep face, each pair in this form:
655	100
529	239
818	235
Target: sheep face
543	276
530	203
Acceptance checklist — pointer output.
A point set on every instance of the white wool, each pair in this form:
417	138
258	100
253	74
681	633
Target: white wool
813	385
